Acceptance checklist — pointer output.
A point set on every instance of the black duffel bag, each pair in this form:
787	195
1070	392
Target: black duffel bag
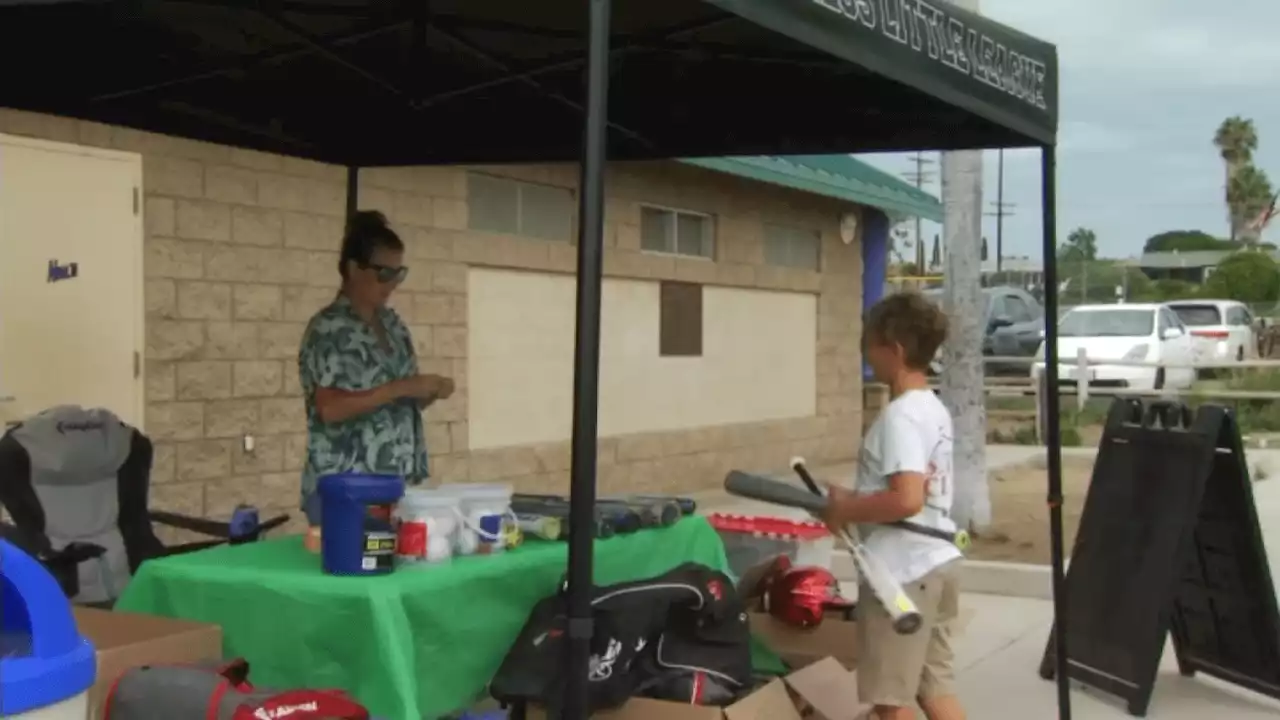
680	636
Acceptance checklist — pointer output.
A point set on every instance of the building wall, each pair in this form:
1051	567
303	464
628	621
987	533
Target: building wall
520	359
241	248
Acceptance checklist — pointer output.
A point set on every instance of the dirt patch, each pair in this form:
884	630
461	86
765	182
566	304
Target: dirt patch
1019	529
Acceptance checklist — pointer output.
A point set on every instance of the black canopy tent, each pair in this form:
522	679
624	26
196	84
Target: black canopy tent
363	83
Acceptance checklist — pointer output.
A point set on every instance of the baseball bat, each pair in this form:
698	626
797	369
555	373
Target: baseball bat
960	538
541	526
625	518
653	513
887	590
604	524
774	492
688	506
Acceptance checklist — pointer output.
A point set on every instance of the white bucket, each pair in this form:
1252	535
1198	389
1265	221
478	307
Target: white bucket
487	521
427	526
73	708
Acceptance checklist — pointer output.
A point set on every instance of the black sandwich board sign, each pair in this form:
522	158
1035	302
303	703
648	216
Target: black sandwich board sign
1169	543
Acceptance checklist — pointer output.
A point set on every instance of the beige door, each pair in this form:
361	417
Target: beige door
70	279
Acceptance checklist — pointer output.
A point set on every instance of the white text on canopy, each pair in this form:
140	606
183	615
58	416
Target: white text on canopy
927	28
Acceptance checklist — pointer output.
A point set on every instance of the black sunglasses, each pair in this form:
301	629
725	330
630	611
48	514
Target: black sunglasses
386	273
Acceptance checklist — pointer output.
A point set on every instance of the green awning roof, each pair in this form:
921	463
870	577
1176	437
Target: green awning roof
835	176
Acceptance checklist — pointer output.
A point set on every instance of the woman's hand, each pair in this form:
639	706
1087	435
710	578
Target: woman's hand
425	387
445	386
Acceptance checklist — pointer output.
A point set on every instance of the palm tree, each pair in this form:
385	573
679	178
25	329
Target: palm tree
1236	140
1248	194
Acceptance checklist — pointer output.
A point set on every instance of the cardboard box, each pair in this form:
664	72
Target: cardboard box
128	640
834	638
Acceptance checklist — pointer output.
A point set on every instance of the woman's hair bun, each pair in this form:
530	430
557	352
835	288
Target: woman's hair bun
366	221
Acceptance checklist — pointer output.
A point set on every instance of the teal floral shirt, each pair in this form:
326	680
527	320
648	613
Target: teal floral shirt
340	350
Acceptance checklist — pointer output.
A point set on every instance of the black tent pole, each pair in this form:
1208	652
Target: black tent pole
353	190
586	368
1049	216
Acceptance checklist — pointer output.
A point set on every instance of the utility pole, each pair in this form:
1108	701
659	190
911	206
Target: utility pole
918	177
1001	210
962	378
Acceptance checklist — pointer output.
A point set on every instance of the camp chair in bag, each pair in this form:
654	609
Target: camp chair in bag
75	482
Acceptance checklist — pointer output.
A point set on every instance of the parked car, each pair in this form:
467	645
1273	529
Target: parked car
1131	333
1220	329
1014	323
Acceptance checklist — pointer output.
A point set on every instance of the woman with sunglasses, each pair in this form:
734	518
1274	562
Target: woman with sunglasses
363	393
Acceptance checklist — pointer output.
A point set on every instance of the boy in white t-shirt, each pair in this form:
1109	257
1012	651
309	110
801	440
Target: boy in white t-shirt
905	473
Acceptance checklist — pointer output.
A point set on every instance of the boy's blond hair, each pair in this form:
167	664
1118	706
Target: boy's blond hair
908	319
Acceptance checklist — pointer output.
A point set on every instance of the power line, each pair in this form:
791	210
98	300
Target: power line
918	177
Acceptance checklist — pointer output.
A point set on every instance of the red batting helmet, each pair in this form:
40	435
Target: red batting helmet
800	596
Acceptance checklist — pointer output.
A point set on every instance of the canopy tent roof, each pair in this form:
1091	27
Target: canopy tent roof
402	82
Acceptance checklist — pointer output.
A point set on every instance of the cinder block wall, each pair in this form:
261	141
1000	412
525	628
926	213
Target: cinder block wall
241	248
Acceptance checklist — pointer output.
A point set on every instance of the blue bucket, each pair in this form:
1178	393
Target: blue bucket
44	661
357	534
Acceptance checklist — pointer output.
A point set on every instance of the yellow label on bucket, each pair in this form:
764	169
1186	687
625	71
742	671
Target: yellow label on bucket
903	603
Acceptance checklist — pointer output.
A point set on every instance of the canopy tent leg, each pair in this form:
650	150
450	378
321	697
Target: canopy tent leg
353	191
1049	216
586	368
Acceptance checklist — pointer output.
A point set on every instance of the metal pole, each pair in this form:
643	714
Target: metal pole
586	369
1000	212
1049	213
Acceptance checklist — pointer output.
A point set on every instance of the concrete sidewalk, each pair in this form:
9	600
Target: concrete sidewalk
999	656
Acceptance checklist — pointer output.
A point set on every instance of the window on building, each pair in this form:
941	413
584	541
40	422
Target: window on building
512	207
677	232
680	320
792	247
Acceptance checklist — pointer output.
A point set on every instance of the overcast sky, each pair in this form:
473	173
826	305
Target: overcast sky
1144	85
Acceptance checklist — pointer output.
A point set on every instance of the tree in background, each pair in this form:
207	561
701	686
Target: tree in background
1187	241
1248	194
1247	188
1247	276
1081	246
1191	241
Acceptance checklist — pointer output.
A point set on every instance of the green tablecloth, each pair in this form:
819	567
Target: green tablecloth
419	643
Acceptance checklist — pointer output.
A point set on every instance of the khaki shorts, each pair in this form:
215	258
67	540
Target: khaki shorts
899	670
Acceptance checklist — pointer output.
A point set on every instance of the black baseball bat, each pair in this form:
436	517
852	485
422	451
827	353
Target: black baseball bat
774	492
797	464
606	525
688	506
641	514
623	519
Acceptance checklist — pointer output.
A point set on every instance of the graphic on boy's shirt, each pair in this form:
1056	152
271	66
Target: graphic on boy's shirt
937	477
